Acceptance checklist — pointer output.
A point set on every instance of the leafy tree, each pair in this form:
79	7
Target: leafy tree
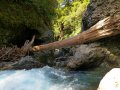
69	13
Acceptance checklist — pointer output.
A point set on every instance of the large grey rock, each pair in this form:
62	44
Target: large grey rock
111	81
90	56
85	57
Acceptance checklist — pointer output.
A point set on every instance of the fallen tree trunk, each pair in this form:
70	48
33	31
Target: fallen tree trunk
107	27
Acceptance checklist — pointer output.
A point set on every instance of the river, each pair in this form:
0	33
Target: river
48	78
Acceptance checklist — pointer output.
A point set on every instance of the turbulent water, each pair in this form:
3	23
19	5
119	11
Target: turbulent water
47	78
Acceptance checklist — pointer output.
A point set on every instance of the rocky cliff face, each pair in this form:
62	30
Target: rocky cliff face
98	10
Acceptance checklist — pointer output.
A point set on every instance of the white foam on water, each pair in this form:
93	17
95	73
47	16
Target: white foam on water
35	79
45	78
24	80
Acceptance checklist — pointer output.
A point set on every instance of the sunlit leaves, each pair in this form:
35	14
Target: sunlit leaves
71	16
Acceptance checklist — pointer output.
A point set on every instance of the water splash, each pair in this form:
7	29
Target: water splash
47	78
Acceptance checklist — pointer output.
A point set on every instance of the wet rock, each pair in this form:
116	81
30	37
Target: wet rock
63	52
62	56
111	81
24	63
61	62
45	57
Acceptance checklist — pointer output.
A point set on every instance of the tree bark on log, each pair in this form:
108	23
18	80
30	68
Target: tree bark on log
107	27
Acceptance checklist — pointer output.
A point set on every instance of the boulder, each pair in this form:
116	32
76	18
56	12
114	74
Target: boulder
111	81
90	56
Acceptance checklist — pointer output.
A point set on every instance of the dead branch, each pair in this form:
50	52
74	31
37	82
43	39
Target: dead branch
6	53
14	53
28	45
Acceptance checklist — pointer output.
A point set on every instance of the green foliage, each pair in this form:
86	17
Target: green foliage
17	15
45	7
70	16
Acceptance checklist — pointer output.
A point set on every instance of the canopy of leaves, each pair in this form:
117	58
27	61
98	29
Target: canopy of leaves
69	13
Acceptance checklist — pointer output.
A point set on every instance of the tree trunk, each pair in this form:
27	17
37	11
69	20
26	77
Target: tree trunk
107	27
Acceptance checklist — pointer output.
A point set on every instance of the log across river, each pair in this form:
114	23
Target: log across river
107	27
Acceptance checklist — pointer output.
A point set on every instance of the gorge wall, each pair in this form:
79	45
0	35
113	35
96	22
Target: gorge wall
21	19
98	10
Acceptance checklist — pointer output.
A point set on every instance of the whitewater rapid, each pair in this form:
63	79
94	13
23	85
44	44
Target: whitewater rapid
47	78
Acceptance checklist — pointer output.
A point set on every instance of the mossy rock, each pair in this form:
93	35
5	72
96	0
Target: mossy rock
21	20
